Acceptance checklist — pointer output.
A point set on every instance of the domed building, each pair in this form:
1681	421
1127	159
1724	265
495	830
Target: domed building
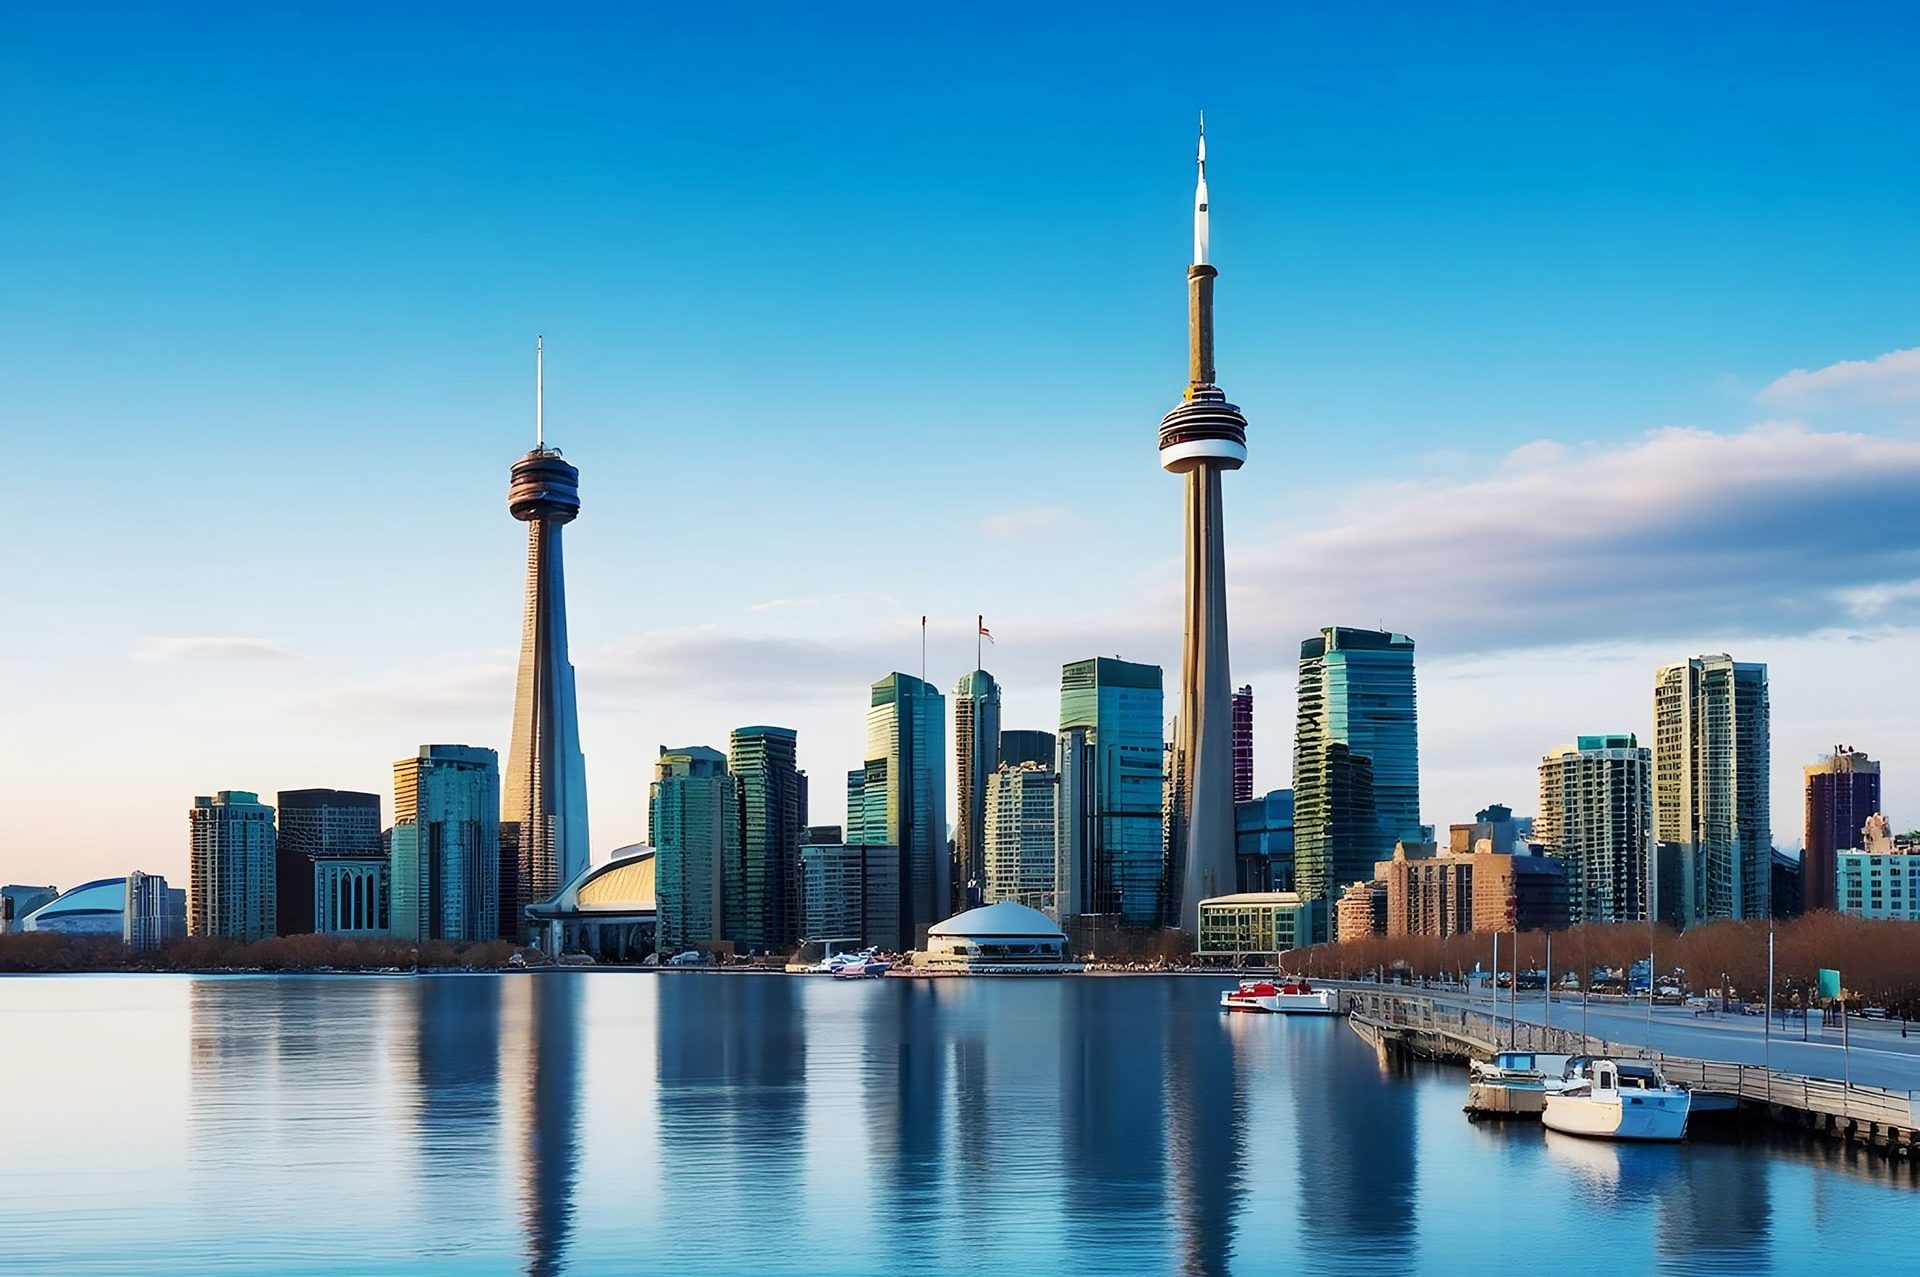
1005	938
97	908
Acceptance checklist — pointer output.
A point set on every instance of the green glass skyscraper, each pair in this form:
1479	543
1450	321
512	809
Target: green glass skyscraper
1108	852
693	818
903	795
1356	757
762	886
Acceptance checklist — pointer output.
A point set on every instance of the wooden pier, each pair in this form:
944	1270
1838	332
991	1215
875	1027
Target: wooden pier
1408	1023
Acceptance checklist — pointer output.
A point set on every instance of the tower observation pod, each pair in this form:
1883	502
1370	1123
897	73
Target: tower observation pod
1202	438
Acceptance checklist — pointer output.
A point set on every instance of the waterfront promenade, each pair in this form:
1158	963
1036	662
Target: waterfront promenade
1877	1056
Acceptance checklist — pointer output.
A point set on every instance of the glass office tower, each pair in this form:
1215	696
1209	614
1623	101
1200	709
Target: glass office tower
444	874
1110	850
976	754
693	820
762	886
903	795
1356	757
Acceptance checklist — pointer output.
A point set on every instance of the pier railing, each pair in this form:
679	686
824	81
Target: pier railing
1471	1032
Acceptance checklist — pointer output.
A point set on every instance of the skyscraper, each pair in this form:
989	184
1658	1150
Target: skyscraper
316	824
976	753
1021	810
1243	744
230	885
1596	816
1202	438
1711	724
155	914
762	881
1023	745
1356	757
693	821
1108	853
443	881
904	796
543	815
1842	790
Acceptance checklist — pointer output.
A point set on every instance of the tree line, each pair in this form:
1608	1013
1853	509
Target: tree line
50	953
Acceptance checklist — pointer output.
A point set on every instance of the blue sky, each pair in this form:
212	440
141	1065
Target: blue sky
859	313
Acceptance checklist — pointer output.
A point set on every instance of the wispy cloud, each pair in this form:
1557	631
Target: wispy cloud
1040	523
214	650
841	598
1892	378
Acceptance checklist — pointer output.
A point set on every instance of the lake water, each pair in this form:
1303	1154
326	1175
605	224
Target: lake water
689	1124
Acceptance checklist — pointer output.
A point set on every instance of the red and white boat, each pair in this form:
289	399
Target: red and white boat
1289	995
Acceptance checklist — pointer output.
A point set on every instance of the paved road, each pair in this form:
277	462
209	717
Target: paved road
1879	1055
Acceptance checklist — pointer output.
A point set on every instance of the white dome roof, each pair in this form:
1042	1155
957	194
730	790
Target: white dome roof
1006	918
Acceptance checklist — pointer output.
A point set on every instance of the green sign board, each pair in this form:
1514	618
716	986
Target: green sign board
1829	983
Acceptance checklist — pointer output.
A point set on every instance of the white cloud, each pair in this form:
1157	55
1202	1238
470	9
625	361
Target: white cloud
1892	378
213	649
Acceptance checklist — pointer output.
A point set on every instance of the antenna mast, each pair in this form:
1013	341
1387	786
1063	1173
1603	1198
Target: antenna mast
539	393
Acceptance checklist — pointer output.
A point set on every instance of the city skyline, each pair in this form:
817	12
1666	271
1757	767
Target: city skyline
1788	365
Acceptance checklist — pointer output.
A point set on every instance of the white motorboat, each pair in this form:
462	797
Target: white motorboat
864	965
1611	1101
1514	1083
1292	996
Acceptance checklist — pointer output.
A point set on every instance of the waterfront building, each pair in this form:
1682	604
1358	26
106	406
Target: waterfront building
608	912
762	905
1881	879
1842	790
1243	744
352	895
1596	816
1710	788
850	895
1023	745
1518	892
443	880
96	908
1361	911
976	755
1108	841
315	825
1427	894
903	795
18	900
1021	814
1356	757
693	823
1239	928
231	888
1003	938
153	914
543	811
1263	842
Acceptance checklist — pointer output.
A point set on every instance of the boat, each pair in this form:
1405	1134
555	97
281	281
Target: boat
1514	1083
1606	1100
862	967
1290	995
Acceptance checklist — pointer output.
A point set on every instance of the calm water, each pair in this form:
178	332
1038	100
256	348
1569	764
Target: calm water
615	1122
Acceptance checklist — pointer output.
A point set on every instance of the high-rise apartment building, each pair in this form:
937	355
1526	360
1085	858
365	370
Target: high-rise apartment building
1596	818
543	812
693	821
762	907
444	862
1109	858
1356	757
1024	745
976	754
1711	725
231	888
316	825
155	914
1243	744
1842	790
1201	439
903	796
1021	812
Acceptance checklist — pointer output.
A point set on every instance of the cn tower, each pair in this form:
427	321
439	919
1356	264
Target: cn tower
1202	438
543	809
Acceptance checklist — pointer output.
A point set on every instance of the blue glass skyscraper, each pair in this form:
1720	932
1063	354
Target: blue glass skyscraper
1109	851
1356	757
903	795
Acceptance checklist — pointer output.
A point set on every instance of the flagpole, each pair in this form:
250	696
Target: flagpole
979	628
923	647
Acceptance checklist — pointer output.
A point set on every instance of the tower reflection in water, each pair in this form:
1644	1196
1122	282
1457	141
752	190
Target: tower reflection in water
542	1081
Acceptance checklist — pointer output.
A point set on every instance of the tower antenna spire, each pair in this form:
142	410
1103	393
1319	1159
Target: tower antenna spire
539	392
1200	200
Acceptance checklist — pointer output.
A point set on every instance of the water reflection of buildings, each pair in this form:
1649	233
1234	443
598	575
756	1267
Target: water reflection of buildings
456	1104
1113	1093
1359	1145
905	1043
1206	1103
732	1091
545	1102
